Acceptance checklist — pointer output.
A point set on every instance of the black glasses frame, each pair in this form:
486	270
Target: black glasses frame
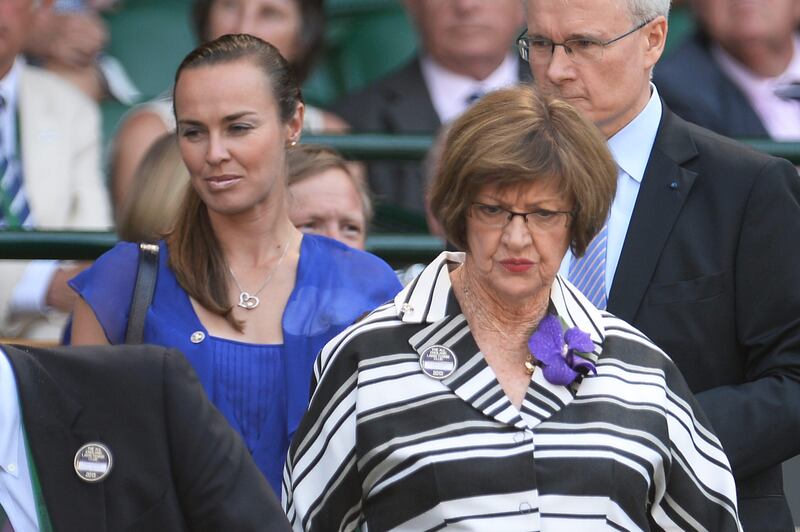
511	214
524	42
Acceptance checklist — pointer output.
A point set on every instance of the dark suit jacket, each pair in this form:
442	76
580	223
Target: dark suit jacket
398	103
710	271
696	89
177	463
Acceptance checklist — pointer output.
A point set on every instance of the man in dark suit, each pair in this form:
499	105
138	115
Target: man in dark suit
121	438
466	52
700	250
734	75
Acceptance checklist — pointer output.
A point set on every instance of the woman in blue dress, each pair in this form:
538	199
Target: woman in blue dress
246	296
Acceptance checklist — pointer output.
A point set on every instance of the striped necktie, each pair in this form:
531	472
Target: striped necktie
588	273
5	523
14	209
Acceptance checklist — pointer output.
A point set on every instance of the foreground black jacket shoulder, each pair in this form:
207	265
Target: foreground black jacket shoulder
177	463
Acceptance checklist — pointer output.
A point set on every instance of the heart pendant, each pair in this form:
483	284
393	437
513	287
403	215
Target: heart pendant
246	301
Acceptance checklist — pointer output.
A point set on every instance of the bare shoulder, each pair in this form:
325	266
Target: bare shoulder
134	137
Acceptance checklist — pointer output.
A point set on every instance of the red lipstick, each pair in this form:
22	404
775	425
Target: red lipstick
516	265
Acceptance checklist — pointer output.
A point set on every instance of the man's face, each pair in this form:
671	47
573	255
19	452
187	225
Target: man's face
459	31
16	17
737	24
612	91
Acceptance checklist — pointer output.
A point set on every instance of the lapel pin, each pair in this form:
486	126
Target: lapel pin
673	185
93	462
438	362
197	337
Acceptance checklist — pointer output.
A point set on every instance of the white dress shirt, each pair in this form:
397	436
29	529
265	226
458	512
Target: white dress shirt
30	293
450	91
16	490
630	147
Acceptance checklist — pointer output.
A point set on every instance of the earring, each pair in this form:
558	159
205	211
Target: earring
293	143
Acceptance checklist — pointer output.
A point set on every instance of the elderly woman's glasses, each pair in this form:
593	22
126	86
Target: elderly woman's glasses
580	50
498	217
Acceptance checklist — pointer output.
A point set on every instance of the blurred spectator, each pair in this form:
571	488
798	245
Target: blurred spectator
326	197
737	74
465	52
49	176
68	37
294	27
160	183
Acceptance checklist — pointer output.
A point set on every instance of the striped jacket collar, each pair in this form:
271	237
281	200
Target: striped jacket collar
425	300
429	301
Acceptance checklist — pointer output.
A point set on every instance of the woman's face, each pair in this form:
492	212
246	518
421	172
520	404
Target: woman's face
231	137
329	204
276	21
518	261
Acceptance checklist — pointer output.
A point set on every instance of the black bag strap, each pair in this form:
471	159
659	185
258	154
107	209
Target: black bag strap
146	276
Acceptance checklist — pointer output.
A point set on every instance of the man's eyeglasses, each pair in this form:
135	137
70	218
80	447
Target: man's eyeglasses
581	50
498	217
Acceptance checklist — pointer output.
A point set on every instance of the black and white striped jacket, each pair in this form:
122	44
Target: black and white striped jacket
383	446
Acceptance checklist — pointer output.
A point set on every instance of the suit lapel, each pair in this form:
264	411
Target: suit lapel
473	380
665	187
52	423
43	156
409	107
744	122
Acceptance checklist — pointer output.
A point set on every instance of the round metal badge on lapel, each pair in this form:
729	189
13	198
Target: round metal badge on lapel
93	462
438	362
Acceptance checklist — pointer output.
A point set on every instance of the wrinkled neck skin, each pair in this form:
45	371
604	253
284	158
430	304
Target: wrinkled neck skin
513	322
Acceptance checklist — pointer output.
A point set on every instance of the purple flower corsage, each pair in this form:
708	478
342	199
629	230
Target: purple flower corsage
564	356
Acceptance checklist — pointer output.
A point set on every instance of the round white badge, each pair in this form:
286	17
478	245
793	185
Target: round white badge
438	362
93	462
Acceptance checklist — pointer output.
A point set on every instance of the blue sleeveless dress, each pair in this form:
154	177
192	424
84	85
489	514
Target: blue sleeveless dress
263	390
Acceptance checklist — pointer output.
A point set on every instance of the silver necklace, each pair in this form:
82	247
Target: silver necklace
250	301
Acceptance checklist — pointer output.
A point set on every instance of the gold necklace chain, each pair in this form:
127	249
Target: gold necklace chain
487	324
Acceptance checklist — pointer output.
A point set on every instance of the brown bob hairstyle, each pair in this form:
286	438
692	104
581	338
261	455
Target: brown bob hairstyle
513	137
309	160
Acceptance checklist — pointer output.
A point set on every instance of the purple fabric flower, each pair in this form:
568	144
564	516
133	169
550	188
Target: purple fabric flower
559	352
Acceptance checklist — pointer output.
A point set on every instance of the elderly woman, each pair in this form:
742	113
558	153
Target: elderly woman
490	394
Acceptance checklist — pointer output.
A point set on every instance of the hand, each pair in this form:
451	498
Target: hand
59	295
68	39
